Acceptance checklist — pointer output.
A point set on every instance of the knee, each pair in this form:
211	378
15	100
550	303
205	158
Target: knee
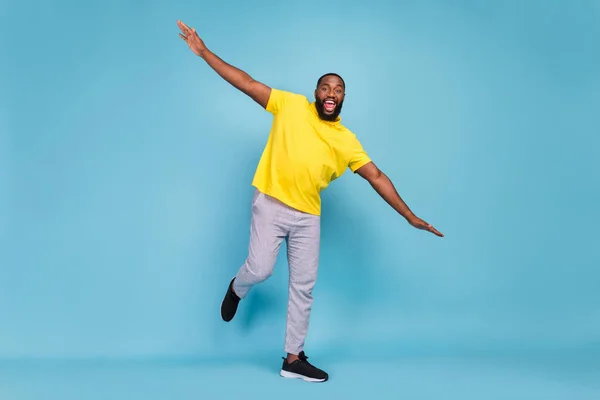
303	287
261	270
262	275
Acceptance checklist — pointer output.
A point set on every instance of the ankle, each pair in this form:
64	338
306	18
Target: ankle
292	357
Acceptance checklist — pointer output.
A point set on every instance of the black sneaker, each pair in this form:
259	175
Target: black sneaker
302	369
230	303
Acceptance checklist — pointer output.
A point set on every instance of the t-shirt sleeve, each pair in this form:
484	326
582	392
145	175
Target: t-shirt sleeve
358	155
278	100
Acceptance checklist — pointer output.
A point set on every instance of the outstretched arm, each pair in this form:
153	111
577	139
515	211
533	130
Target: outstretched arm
239	79
385	188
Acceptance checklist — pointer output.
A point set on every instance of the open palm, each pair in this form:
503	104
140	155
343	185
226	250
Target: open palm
420	224
192	39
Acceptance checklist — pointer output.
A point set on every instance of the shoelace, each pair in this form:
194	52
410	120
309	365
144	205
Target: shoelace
304	358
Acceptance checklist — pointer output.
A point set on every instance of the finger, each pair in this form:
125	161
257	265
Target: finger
438	233
183	37
184	27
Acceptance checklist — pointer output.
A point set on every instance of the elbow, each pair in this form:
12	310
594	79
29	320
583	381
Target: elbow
370	173
246	86
376	177
378	174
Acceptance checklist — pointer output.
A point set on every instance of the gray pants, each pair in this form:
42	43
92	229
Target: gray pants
271	223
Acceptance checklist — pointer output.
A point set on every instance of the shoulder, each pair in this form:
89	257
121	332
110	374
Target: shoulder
350	138
283	98
346	132
288	94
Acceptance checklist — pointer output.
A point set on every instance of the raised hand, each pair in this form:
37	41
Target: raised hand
192	39
420	224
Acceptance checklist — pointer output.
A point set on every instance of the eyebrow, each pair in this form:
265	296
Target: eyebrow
336	85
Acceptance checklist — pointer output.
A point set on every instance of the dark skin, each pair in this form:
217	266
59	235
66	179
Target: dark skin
330	88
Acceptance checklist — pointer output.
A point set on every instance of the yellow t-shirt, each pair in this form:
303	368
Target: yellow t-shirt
304	154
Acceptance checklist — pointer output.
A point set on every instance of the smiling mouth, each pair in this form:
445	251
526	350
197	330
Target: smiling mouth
329	105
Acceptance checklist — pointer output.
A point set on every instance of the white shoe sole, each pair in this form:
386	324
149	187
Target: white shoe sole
292	375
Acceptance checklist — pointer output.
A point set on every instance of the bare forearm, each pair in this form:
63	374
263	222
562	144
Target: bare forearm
239	79
235	76
386	189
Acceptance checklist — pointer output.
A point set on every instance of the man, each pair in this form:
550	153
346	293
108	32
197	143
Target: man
307	149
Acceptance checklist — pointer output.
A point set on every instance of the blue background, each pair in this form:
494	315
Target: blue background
126	167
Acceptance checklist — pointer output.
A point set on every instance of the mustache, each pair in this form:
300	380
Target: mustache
321	102
321	109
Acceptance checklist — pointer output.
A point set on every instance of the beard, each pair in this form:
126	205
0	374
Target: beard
321	110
